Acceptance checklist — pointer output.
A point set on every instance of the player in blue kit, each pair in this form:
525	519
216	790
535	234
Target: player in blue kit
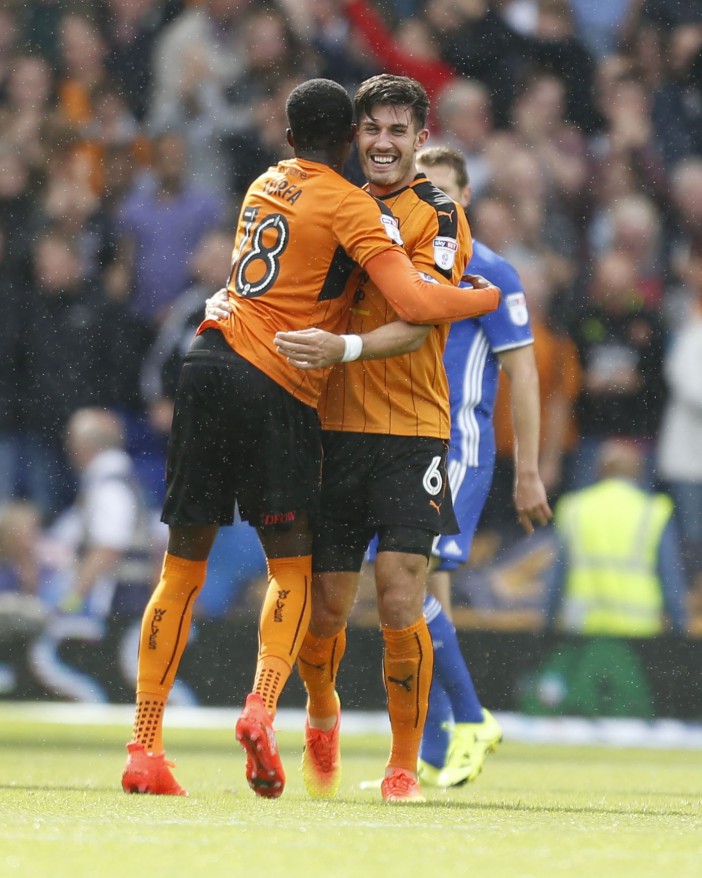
459	732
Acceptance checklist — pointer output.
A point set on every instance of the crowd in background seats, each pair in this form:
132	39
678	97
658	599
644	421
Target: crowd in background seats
130	129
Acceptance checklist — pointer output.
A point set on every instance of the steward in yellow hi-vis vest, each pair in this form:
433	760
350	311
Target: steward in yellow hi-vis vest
612	532
612	580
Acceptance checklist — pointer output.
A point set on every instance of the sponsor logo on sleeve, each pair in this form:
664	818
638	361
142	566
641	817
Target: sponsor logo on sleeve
445	250
517	308
392	229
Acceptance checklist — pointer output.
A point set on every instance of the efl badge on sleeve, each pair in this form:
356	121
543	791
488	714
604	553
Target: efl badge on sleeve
445	250
517	307
392	228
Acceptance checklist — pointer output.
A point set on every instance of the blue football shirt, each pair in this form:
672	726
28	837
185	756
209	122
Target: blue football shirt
471	359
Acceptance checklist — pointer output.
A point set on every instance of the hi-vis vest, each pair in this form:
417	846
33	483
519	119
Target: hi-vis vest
611	532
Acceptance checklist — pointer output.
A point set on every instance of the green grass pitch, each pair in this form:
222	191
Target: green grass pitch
535	811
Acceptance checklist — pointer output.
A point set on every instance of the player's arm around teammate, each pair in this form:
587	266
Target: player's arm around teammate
315	348
318	349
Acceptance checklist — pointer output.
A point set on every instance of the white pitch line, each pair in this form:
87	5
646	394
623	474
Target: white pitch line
616	732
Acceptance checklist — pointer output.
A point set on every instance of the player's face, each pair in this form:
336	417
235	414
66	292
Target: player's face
444	178
387	142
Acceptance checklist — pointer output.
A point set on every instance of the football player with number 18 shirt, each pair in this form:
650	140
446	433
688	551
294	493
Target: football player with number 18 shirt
246	429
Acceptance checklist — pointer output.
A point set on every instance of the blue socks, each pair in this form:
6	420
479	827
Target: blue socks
435	737
452	692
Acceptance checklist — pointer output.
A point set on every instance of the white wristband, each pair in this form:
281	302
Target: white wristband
353	348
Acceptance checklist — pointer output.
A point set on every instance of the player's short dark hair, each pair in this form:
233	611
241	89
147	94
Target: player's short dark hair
386	89
445	156
320	114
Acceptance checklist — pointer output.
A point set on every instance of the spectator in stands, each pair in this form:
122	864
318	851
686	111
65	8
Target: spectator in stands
274	54
130	29
543	225
539	123
677	101
161	222
685	222
68	202
28	101
197	60
618	570
661	14
109	526
601	23
12	385
464	117
39	28
75	351
261	144
540	164
27	579
627	136
10	41
556	47
210	266
407	50
613	183
17	199
477	43
559	373
636	230
28	566
82	67
494	223
680	441
277	62
553	43
620	342
342	56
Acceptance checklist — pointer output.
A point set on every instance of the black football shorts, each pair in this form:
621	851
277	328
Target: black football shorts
390	485
238	436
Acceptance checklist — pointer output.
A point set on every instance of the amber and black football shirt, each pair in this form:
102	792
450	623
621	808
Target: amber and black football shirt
406	395
303	229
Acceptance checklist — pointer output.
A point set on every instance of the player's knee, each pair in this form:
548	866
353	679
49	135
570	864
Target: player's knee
400	607
333	596
327	620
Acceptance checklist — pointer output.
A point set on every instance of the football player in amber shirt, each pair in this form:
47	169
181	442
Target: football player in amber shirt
246	429
471	359
386	428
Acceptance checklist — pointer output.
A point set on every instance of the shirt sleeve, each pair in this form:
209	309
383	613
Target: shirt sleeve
508	326
364	228
422	299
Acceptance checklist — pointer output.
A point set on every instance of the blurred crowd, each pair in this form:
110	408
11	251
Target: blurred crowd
130	129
